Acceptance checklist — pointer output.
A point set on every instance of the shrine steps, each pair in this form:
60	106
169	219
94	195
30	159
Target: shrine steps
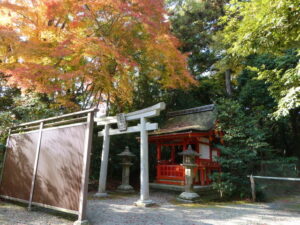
179	188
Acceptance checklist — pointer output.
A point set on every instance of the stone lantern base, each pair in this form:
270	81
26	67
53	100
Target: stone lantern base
189	197
82	222
125	188
144	203
101	195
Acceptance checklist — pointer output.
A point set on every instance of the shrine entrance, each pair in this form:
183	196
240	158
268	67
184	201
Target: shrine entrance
143	127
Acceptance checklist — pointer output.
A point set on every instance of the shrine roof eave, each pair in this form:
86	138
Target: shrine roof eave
183	134
176	130
188	120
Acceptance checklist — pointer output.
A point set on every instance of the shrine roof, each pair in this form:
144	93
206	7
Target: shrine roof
201	118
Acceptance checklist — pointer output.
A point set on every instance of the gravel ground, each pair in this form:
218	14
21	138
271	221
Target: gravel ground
119	209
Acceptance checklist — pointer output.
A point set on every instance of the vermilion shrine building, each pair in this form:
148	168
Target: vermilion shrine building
195	127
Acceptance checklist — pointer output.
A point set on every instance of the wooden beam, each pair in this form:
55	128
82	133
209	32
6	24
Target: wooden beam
40	205
57	117
276	178
36	162
68	121
85	168
149	126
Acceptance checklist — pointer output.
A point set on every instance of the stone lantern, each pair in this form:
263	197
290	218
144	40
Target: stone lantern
189	163
126	156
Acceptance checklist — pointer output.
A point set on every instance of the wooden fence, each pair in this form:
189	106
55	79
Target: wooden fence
253	191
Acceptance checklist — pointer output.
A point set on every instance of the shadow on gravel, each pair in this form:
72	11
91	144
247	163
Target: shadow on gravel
17	213
118	209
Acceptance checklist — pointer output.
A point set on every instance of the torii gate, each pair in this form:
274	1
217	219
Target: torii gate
143	128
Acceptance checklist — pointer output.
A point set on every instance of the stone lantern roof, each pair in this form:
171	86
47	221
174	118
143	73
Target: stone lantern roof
189	152
126	153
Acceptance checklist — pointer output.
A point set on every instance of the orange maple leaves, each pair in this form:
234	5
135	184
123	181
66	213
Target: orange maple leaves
60	45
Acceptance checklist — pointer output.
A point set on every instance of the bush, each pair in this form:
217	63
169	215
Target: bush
244	150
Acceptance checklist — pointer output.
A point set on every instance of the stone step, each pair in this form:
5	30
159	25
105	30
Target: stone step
204	191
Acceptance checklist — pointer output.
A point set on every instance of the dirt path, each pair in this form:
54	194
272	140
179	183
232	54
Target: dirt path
119	210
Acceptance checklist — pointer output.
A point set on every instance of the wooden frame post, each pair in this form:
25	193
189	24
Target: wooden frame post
85	170
36	162
104	163
253	192
5	154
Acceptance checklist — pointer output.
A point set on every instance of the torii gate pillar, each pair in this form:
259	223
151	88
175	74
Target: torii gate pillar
104	163
144	176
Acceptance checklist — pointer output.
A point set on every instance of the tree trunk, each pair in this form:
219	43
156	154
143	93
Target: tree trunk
295	124
228	82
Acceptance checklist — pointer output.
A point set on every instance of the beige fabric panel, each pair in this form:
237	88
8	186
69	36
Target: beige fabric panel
58	179
18	167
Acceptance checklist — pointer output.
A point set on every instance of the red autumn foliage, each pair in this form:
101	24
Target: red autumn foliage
59	45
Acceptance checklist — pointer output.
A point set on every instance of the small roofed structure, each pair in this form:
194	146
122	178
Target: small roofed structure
195	127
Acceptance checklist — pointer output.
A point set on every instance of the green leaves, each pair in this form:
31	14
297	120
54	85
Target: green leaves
258	42
284	82
272	27
195	23
245	147
260	26
224	185
289	101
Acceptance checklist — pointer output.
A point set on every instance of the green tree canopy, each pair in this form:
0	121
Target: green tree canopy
267	26
261	26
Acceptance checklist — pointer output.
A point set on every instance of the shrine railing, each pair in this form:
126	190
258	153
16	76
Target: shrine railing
175	174
170	172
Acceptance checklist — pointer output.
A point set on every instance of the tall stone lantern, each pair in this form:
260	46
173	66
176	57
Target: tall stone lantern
189	163
126	157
